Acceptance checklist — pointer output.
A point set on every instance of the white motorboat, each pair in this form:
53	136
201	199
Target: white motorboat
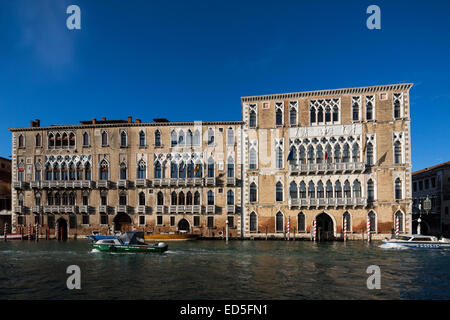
418	241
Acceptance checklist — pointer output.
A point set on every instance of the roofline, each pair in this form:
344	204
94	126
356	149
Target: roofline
428	169
115	125
330	92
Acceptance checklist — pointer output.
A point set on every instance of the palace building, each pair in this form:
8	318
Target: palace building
124	175
330	156
327	156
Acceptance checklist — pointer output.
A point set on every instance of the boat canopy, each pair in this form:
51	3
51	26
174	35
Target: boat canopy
130	238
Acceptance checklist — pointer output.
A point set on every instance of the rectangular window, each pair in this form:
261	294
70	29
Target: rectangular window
159	220
196	221
172	221
104	200
230	222
72	221
210	222
142	220
85	219
414	186
427	184
433	182
50	221
420	185
103	219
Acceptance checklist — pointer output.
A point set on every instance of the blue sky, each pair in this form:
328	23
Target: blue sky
193	60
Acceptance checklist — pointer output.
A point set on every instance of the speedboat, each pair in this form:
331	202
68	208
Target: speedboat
418	241
128	242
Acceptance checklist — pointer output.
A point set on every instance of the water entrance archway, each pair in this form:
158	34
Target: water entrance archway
183	225
62	229
325	227
122	222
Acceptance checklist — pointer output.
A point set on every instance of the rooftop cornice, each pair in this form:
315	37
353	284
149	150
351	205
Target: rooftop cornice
330	92
124	125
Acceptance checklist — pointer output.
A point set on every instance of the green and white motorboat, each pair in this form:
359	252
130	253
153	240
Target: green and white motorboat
128	242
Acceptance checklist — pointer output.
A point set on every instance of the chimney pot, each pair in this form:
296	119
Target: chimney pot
32	123
138	120
103	118
94	121
130	119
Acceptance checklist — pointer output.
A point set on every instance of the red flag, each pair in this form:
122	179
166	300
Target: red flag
326	155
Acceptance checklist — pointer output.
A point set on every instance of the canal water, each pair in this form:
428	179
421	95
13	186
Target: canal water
216	270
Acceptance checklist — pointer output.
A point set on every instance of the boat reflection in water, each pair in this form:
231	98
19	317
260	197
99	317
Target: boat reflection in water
417	241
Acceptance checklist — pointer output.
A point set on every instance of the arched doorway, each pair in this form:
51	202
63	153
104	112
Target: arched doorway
62	229
122	222
325	227
183	225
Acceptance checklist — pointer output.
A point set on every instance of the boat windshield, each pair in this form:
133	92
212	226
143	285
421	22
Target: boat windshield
422	239
403	238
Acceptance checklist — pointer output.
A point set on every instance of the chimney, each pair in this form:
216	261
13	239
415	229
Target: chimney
103	118
138	120
32	123
130	119
37	122
94	121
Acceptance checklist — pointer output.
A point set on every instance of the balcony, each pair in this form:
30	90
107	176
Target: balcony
20	185
172	209
231	181
188	209
52	184
210	181
196	209
157	182
231	208
173	182
60	184
123	209
105	209
85	209
19	209
324	168
47	209
122	183
210	209
68	209
35	184
105	184
198	182
143	209
87	184
160	209
55	209
141	183
36	209
327	202
45	184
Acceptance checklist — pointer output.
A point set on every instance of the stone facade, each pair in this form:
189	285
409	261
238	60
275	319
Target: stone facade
306	128
434	183
103	175
294	159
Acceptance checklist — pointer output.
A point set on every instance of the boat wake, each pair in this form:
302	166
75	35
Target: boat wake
392	246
